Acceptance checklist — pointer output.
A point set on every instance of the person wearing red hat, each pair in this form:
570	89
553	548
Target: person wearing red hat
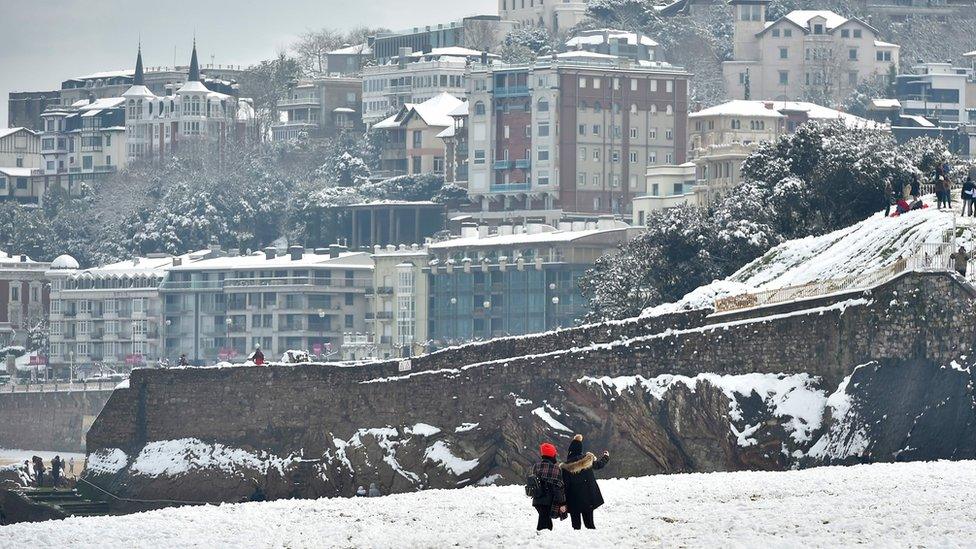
550	502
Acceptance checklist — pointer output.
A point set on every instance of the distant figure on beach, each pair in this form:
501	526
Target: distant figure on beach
71	466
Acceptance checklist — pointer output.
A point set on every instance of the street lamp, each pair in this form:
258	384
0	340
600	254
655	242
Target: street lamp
322	328
71	367
555	310
454	326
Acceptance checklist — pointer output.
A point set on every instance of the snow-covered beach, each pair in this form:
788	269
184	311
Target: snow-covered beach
881	505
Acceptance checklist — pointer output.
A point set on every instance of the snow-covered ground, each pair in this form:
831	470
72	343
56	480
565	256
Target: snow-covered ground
883	505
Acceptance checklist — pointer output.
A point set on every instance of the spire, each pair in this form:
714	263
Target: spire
194	65
139	78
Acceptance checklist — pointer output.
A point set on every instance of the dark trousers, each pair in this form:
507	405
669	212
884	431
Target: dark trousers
545	518
587	517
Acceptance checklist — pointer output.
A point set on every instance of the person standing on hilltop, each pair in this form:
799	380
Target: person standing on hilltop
56	466
582	492
546	487
968	196
38	471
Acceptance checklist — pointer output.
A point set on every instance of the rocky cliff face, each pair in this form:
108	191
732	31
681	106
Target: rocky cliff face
778	391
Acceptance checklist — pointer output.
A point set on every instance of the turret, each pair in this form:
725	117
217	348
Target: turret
750	20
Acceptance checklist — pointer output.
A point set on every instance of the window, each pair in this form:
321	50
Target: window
479	108
852	54
139	327
582	82
582	129
582	153
596	155
596	82
84	327
633	133
775	33
615	156
652	157
669	134
653	85
633	157
884	56
84	307
652	133
818	29
542	178
736	124
86	162
417	164
479	156
543	105
784	78
857	33
787	33
852	78
669	86
544	129
543	155
845	33
596	180
633	85
418	139
580	179
784	53
596	129
438	164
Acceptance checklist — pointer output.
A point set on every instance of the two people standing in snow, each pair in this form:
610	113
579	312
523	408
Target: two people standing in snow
575	491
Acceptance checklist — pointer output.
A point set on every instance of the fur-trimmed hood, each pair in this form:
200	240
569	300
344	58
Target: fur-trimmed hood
580	465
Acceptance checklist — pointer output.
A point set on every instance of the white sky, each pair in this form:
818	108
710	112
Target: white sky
48	41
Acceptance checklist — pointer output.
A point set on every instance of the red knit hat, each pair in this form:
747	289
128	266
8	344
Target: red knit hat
547	450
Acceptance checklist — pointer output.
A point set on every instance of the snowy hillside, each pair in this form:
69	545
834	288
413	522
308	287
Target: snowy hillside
859	250
907	504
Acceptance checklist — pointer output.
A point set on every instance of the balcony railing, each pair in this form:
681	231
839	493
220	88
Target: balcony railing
502	164
267	282
299	102
512	91
523	163
510	187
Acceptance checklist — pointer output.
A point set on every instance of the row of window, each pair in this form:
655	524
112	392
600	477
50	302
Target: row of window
84	349
84	328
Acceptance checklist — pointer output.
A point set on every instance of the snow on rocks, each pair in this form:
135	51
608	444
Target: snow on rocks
440	453
172	458
883	505
543	413
793	399
847	436
106	461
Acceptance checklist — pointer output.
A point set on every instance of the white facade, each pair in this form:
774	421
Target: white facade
19	148
937	90
87	138
804	55
414	78
667	187
555	15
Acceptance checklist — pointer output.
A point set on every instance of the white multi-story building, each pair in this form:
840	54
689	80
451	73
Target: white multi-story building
85	140
804	55
19	148
414	77
555	15
157	125
109	315
939	91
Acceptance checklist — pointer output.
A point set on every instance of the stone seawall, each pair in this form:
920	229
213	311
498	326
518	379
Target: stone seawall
56	421
329	429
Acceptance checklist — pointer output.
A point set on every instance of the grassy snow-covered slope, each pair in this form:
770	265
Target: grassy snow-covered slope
861	249
882	505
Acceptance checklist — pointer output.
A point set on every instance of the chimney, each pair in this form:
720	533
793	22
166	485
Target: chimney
23	258
335	250
482	231
484	58
505	229
177	261
296	252
270	253
402	58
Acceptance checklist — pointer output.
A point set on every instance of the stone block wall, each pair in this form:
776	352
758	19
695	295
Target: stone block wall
54	421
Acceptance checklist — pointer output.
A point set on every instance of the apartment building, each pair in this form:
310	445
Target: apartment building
555	15
938	91
476	32
399	301
24	297
109	315
193	114
409	142
320	107
516	280
574	133
20	148
804	55
24	108
414	77
221	308
83	142
349	60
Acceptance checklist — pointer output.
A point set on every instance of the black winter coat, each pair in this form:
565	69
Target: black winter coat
582	491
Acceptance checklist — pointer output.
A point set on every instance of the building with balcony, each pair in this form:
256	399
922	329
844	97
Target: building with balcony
667	187
571	134
516	280
476	32
219	309
399	301
938	91
108	316
724	135
557	16
455	138
408	140
414	77
320	108
193	116
83	142
24	297
20	148
805	55
392	222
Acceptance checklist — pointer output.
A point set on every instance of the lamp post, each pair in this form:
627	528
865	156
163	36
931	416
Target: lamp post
555	310
71	367
454	326
487	307
322	328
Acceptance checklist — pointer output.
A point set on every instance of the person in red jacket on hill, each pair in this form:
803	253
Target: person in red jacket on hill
258	357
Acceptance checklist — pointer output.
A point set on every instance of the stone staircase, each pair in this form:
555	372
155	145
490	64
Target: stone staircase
68	501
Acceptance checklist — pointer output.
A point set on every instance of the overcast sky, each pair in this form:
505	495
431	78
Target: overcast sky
47	41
